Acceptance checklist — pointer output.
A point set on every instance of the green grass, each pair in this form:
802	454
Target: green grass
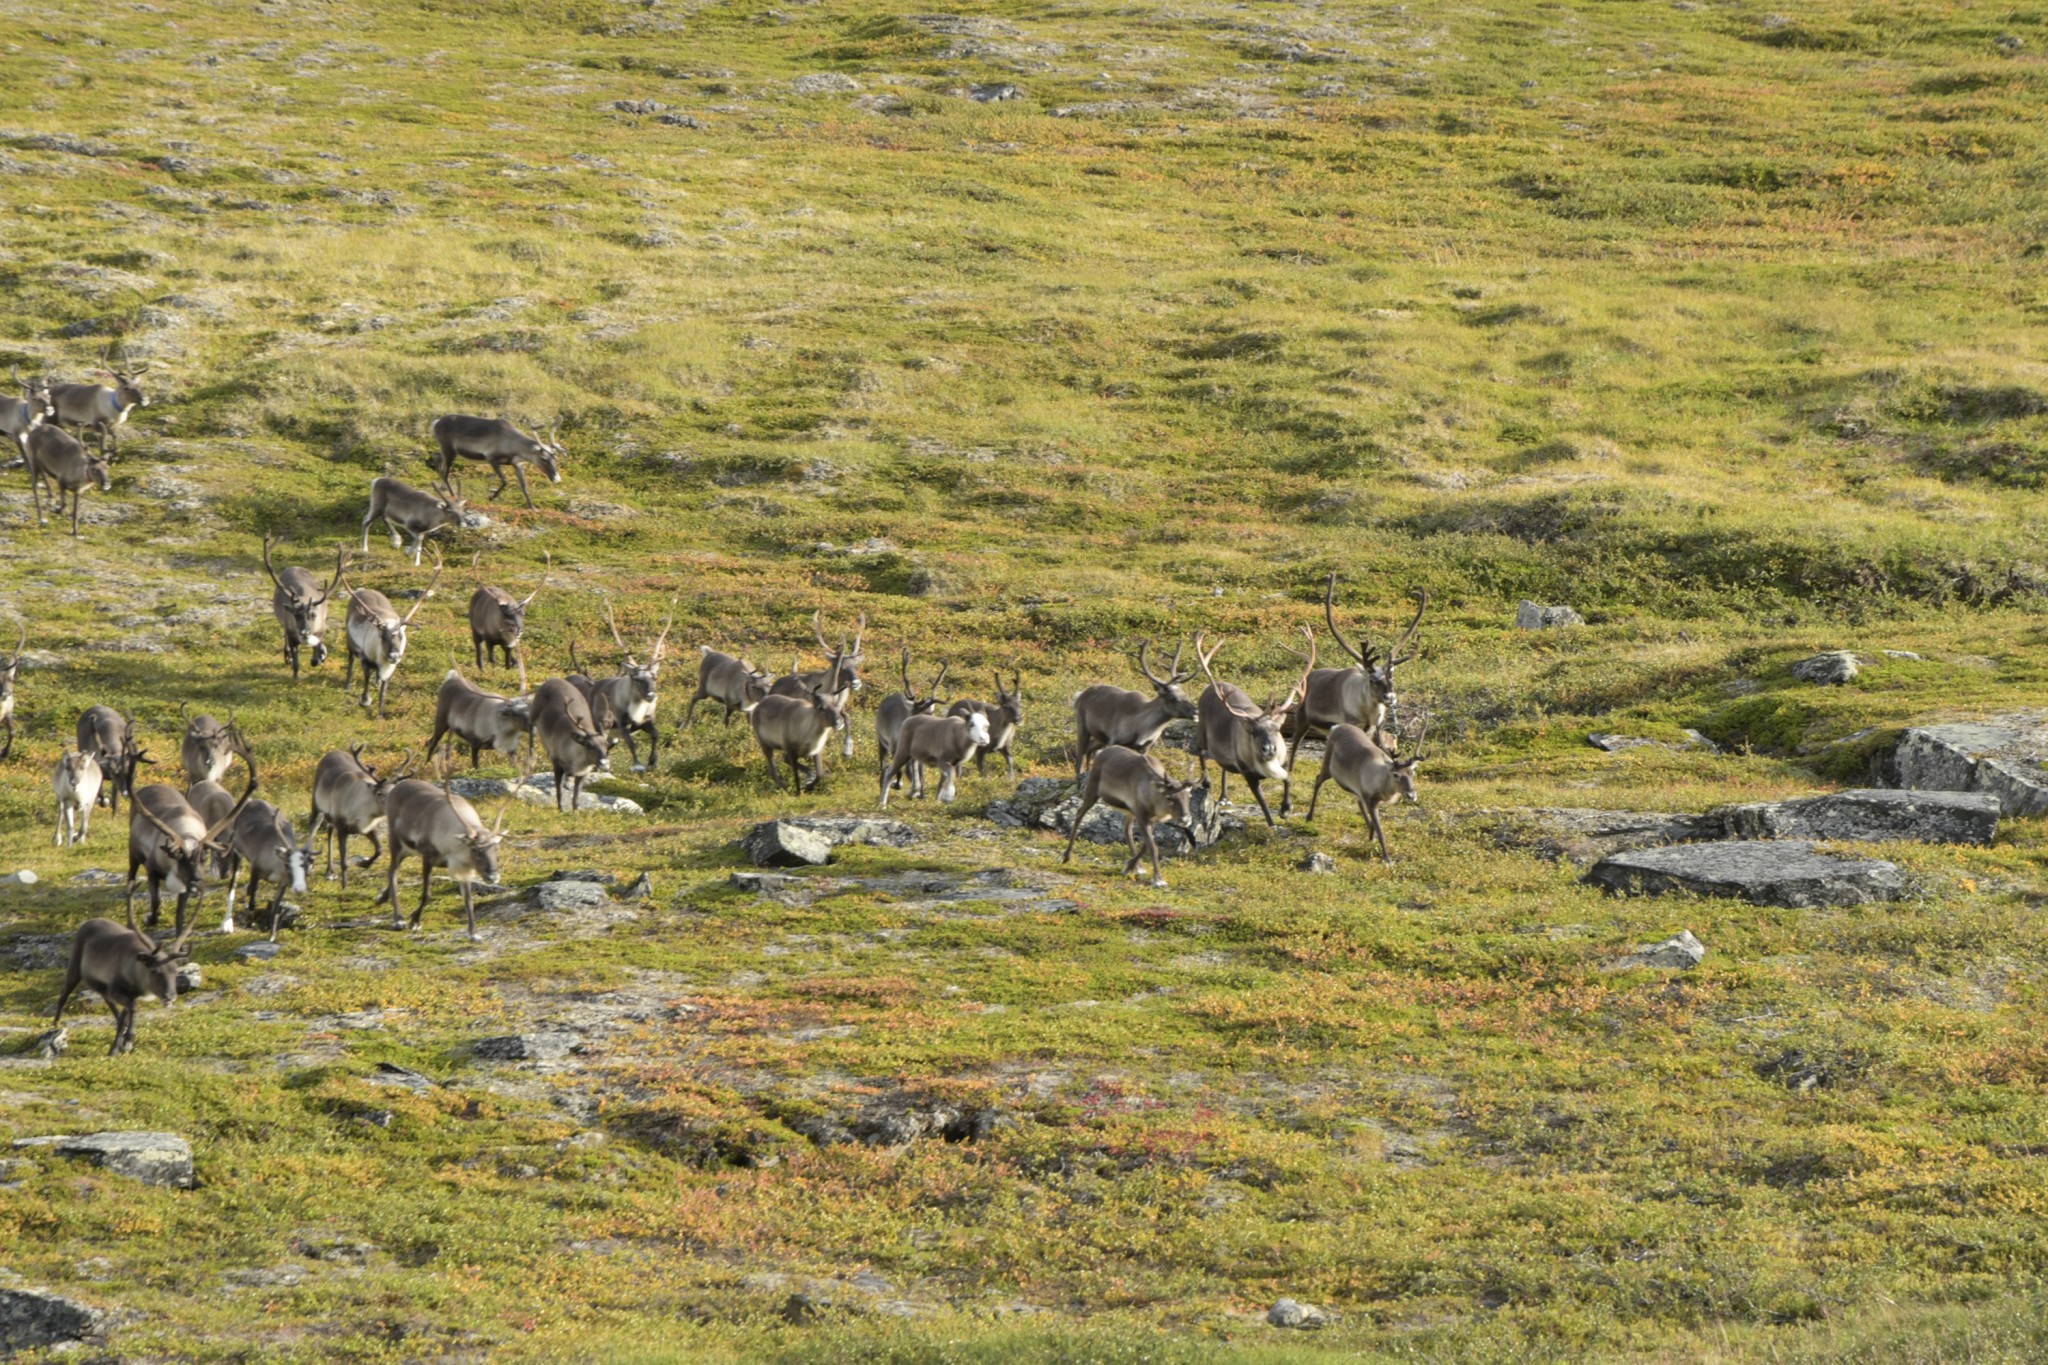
1719	325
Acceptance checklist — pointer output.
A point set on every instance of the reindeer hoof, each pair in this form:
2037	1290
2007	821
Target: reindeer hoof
1159	882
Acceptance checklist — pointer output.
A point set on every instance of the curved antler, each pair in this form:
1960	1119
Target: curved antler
406	620
1146	668
661	640
248	758
1208	657
404	764
818	629
543	578
1421	605
909	692
267	539
1364	656
1300	691
612	621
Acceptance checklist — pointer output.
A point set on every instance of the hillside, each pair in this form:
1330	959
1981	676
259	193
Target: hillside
1029	333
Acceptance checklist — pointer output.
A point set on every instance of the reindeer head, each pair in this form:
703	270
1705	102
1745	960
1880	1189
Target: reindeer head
1380	671
382	786
304	608
549	454
644	675
977	727
1168	688
160	965
1011	702
1404	770
127	392
845	663
100	470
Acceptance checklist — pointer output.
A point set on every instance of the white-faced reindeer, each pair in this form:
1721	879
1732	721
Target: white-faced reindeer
626	700
209	746
735	684
109	737
798	728
261	841
1105	714
482	720
1004	715
499	444
20	416
348	798
899	707
408	511
76	783
8	672
1243	737
841	674
169	842
300	605
497	621
99	408
58	460
124	967
575	743
1361	695
375	633
944	742
1370	774
1136	784
444	831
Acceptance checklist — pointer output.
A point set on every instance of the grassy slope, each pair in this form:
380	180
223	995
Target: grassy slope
1723	328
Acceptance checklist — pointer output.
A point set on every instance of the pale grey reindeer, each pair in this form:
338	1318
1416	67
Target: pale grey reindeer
348	798
1242	736
497	621
58	460
300	605
1371	774
20	416
944	742
482	720
564	730
1362	694
170	843
499	444
1005	715
626	701
841	673
8	672
443	830
209	746
798	729
412	512
99	408
124	967
109	737
262	842
1106	714
1136	784
376	634
76	783
899	707
733	683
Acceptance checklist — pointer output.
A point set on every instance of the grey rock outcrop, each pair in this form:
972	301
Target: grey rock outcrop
1788	873
1580	835
152	1158
1835	666
809	839
2001	756
528	1047
1303	1317
35	1317
1534	616
1872	815
1679	953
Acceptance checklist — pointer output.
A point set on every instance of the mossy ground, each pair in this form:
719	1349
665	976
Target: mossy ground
1722	326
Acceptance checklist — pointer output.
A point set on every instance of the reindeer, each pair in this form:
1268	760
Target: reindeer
841	671
300	605
125	967
1370	774
626	701
375	633
168	840
214	803
76	781
1241	736
733	683
480	719
58	459
8	671
348	798
1135	783
109	737
406	509
444	831
105	410
497	621
1106	714
798	728
209	746
20	416
947	741
898	707
262	840
498	444
576	745
1004	716
1361	695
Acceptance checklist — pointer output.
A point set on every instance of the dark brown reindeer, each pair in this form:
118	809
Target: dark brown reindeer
171	844
733	683
443	830
574	741
348	798
798	729
109	737
124	966
841	674
497	621
98	408
1105	714
942	742
376	634
626	701
58	459
413	512
209	746
20	416
482	720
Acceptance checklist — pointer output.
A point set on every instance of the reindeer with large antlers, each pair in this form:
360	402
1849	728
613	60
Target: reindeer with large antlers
171	843
300	605
840	676
1372	775
497	620
375	633
626	701
898	707
497	443
125	967
8	671
1105	714
1242	736
1360	695
99	408
418	514
432	821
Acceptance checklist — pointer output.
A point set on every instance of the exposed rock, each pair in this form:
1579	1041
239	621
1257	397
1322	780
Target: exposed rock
35	1317
2001	757
539	790
1583	836
528	1047
1530	616
588	874
568	896
1317	861
25	877
1681	952
152	1158
189	978
97	876
1614	744
925	890
1871	815
641	889
1788	873
780	843
262	950
50	1044
1835	666
1301	1316
824	83
993	91
642	107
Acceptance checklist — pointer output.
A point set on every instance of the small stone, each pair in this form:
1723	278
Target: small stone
189	978
824	83
1900	654
779	843
586	875
51	1045
1614	744
35	1317
528	1047
642	889
637	106
1317	862
25	877
1531	616
262	950
1834	667
993	92
1681	952
152	1158
565	896
97	876
1300	1316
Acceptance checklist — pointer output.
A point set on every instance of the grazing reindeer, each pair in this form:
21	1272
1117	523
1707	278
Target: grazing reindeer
1241	736
443	830
1370	774
262	841
124	967
168	840
480	719
898	707
497	621
1360	695
109	737
8	671
76	781
1004	715
348	798
733	683
576	745
406	509
947	741
498	444
626	701
1106	714
20	416
375	633
798	728
209	746
841	672
104	410
57	459
300	605
1136	784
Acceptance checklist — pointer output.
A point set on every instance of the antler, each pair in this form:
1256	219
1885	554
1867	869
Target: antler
1421	605
1421	735
661	640
818	629
247	792
267	538
908	691
611	621
555	437
341	577
1364	656
543	578
940	681
1207	657
1146	668
860	630
1300	691
404	764
406	620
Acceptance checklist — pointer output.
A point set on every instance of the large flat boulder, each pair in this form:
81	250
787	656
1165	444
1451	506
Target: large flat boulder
2001	756
152	1158
1582	835
809	839
35	1317
1788	872
1871	815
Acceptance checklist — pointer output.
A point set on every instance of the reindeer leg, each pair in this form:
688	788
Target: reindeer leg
426	888
1010	763
76	493
179	911
1372	816
71	980
1314	796
653	745
390	891
626	733
1152	846
469	909
227	924
1260	797
774	778
558	788
120	1027
518	662
499	470
888	771
1131	843
520	470
1074	831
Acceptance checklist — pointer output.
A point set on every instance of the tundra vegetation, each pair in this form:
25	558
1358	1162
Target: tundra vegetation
1029	333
